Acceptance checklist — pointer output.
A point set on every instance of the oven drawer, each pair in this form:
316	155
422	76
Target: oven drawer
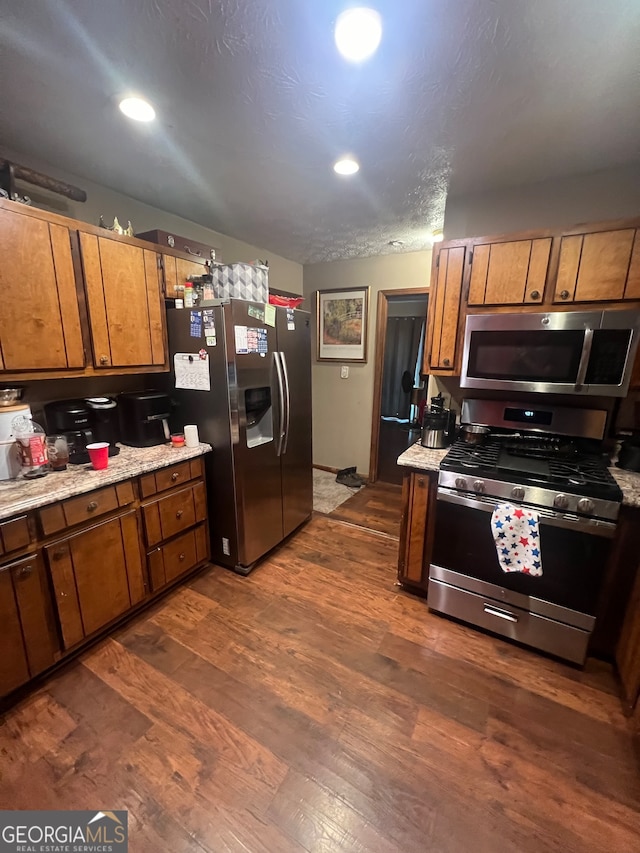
528	628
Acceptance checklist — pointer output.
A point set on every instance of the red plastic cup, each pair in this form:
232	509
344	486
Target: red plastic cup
99	454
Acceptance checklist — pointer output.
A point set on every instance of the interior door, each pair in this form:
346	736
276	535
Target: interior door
294	342
254	392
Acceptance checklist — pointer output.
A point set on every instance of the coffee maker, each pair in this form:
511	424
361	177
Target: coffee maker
75	420
104	419
438	425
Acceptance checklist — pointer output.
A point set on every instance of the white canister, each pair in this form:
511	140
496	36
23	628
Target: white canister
10	463
191	438
7	414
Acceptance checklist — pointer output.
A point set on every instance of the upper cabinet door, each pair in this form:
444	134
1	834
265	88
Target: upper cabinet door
509	273
177	271
444	310
40	320
597	267
124	302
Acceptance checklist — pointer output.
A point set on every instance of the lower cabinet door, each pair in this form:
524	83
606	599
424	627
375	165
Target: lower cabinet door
28	637
91	576
176	557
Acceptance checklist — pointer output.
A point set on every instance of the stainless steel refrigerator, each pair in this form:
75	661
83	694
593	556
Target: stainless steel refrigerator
248	372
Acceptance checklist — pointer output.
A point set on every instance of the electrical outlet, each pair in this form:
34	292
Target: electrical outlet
344	371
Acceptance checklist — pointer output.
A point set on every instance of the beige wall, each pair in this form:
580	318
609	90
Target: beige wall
610	194
283	273
342	407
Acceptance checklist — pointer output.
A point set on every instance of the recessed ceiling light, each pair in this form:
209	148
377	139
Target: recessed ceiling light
137	109
358	33
346	166
437	236
396	243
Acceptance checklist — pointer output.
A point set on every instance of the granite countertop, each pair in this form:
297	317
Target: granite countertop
21	495
426	459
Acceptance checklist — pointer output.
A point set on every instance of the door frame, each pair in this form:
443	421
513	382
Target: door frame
382	314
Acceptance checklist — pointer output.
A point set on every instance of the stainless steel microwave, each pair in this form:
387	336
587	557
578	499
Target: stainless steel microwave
573	352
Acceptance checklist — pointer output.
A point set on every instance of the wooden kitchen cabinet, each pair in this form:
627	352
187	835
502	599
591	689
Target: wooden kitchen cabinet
124	300
28	637
628	649
97	576
416	528
441	348
599	266
178	270
509	272
40	317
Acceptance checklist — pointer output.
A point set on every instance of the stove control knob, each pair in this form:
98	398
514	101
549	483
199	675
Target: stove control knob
585	505
517	492
478	486
461	483
561	501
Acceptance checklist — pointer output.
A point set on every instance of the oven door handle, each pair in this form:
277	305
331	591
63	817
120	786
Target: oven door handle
584	359
581	525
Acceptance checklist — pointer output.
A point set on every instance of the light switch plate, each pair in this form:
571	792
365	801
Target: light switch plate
344	371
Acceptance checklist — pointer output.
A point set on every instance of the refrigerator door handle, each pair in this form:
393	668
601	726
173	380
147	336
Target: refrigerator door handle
287	394
281	404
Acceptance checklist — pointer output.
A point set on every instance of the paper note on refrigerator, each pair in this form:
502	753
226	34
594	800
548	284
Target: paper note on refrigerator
192	371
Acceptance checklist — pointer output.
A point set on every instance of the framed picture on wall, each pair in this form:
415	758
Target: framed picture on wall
342	318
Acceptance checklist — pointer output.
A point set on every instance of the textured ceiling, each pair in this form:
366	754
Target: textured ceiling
254	105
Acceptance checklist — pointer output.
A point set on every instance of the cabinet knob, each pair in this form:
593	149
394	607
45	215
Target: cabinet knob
59	554
564	294
446	362
181	557
91	506
104	359
175	476
24	571
535	294
180	513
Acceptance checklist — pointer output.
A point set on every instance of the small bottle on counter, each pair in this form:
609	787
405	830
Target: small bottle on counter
188	294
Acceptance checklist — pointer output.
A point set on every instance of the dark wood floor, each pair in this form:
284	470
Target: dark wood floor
375	507
314	706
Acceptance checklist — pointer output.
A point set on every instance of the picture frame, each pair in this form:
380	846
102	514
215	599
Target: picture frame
342	319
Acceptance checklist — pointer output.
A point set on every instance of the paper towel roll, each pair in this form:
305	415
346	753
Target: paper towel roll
191	435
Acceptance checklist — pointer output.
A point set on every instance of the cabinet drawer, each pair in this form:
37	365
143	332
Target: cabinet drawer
178	556
14	534
85	507
172	514
167	478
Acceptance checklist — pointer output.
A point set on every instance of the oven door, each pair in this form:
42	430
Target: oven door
574	553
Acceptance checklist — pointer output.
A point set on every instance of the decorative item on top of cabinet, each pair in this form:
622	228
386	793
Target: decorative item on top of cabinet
510	272
417	527
28	638
126	315
40	319
447	273
598	266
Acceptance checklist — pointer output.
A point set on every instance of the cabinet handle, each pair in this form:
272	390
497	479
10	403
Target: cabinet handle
104	359
180	513
421	482
564	294
59	554
190	251
92	506
181	557
447	362
535	294
175	476
24	571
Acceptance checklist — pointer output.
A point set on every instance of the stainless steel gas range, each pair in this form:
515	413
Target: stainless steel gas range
546	460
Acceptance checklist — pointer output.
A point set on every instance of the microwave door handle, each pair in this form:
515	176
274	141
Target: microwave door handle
584	359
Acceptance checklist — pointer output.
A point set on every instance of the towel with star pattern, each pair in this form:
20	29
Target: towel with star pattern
517	536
